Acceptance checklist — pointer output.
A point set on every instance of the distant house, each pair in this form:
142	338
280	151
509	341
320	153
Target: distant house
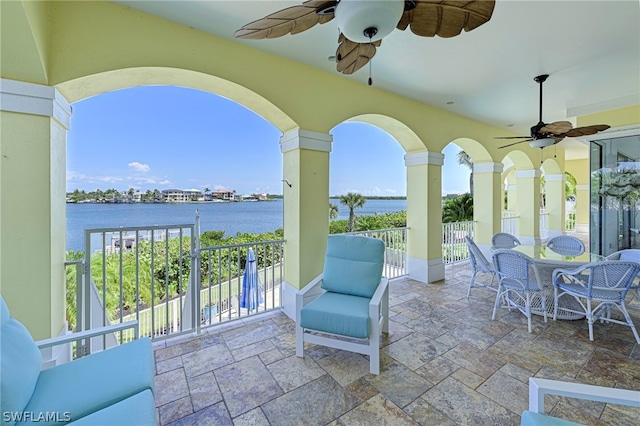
181	195
224	195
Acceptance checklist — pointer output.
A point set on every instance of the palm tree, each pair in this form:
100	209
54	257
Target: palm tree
465	160
458	209
333	211
352	200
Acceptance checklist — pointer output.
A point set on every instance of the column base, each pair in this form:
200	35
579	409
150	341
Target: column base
289	300
425	271
530	241
551	233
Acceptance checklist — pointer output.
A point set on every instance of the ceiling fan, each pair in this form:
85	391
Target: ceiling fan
363	24
543	135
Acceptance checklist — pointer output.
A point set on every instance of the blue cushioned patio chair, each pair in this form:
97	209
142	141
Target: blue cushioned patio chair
479	265
603	284
566	244
519	283
110	387
504	240
347	306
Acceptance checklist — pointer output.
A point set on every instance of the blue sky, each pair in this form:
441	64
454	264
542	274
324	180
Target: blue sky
159	137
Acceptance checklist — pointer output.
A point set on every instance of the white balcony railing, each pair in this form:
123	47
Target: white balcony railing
454	248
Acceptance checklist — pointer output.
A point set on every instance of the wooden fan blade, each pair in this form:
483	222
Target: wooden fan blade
446	18
515	143
292	20
557	128
352	56
586	130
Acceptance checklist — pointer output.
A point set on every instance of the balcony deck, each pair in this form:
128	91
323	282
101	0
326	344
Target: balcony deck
444	362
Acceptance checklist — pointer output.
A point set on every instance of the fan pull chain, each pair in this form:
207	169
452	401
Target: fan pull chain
370	81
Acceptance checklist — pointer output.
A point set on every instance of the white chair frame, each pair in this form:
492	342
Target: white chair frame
538	388
479	265
378	322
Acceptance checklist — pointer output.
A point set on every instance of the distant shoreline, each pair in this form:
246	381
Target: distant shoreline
272	198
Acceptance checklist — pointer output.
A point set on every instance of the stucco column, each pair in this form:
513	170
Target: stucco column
528	207
555	203
34	120
424	216
512	197
306	209
583	208
488	198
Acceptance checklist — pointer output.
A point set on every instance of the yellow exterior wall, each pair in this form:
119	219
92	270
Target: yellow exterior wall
614	118
33	220
580	170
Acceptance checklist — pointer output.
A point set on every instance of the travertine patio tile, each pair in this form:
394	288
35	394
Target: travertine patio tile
246	384
399	384
168	365
250	334
254	417
252	349
213	415
175	410
362	389
425	414
293	372
468	378
204	391
301	406
466	406
415	350
170	386
437	369
206	359
475	360
378	410
345	367
507	391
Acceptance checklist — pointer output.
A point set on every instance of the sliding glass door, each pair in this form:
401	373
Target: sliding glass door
615	194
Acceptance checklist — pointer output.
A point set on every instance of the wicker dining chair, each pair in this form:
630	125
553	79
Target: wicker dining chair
628	255
598	287
479	265
519	283
503	240
566	244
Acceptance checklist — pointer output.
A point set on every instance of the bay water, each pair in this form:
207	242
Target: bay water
251	217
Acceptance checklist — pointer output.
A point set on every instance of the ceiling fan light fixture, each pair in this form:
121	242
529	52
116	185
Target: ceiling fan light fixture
542	143
368	21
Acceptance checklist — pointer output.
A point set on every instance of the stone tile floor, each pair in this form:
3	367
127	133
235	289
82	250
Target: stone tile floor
444	362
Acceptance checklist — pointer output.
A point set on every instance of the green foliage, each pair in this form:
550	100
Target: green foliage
367	223
333	211
459	209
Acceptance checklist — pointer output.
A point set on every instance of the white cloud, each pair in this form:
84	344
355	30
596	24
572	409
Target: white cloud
139	167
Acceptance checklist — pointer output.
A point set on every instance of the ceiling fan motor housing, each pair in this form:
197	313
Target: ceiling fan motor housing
358	19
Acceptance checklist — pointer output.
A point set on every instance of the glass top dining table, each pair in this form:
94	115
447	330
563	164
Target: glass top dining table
544	255
546	261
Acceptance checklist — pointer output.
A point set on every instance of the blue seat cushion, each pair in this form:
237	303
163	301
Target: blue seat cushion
89	384
353	265
20	363
531	418
137	410
337	313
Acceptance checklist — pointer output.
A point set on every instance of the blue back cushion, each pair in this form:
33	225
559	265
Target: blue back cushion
353	265
21	363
